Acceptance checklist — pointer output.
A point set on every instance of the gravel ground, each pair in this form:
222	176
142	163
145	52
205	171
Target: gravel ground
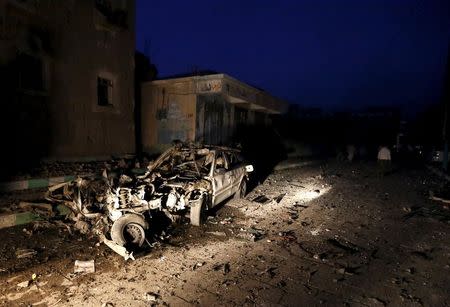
332	235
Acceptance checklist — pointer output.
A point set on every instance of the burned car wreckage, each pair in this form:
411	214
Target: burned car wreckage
186	180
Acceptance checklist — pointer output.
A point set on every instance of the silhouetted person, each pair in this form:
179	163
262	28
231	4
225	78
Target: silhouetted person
351	150
384	160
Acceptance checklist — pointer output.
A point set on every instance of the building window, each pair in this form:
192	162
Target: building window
104	92
31	73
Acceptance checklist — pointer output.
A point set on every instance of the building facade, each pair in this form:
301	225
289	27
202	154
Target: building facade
209	109
67	69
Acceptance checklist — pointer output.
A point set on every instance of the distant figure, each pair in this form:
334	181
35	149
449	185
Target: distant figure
384	160
351	152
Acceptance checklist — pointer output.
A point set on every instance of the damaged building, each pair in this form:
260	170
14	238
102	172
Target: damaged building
67	71
208	108
71	101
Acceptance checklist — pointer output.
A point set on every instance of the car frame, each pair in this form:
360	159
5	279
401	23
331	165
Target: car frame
186	180
226	176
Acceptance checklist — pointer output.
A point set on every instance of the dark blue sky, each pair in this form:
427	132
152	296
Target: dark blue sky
328	53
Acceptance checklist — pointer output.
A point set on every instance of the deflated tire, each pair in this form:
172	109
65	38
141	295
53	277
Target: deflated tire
129	230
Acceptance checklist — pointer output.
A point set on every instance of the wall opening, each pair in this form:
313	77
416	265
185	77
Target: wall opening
104	92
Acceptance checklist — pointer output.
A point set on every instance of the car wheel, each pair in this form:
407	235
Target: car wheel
129	230
242	190
198	212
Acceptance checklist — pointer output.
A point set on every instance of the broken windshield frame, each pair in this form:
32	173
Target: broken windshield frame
186	162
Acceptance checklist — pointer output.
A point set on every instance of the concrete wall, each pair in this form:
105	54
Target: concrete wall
215	120
83	46
168	113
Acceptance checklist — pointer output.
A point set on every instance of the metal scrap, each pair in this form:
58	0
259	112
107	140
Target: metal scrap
278	198
84	266
122	251
25	253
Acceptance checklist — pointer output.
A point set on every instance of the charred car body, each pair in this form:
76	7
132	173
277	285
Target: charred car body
186	180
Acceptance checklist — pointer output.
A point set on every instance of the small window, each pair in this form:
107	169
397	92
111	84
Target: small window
231	159
234	159
221	162
104	92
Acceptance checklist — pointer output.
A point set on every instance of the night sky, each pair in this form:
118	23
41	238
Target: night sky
326	53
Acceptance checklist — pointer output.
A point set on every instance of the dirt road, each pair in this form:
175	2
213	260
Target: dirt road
332	235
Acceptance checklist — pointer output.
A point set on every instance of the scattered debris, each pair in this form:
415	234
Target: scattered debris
25	253
251	234
24	284
151	297
225	267
441	196
227	220
262	199
321	256
346	246
270	272
40	208
82	226
315	232
217	233
293	215
84	266
279	198
198	265
406	296
300	205
348	270
422	254
377	301
288	236
122	251
297	185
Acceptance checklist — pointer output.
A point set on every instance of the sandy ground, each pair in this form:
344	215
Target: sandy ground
334	235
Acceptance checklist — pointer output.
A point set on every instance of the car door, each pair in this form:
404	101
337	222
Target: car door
236	171
220	178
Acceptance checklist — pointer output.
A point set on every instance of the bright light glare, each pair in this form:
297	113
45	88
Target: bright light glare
310	193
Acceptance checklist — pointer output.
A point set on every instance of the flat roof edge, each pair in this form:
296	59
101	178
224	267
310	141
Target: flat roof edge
284	104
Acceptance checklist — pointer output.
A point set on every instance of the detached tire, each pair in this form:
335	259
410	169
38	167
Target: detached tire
129	230
198	212
242	190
